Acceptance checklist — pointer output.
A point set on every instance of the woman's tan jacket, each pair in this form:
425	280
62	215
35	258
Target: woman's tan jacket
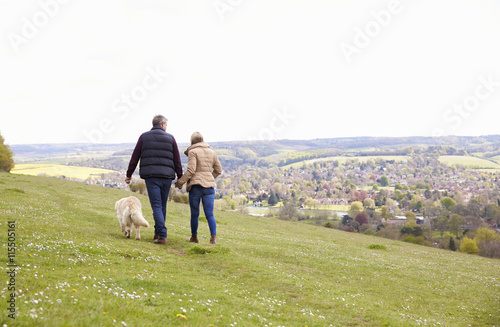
203	166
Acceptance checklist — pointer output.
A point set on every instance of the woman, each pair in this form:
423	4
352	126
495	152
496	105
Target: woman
203	167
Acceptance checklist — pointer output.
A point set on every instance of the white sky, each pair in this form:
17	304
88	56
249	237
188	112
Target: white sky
248	69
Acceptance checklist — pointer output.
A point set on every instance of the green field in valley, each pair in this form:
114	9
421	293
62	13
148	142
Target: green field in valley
75	268
469	162
58	170
496	159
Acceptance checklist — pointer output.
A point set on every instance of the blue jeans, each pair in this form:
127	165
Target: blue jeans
158	189
207	197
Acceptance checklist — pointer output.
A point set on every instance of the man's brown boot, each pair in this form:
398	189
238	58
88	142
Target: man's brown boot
161	241
213	239
194	239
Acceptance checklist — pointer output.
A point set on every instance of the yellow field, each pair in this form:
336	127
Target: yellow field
58	170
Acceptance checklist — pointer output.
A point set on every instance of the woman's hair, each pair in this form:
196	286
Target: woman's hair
158	120
196	138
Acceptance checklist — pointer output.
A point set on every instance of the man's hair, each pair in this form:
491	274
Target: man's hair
158	120
196	138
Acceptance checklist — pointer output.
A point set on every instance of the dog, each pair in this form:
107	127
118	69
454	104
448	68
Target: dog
129	213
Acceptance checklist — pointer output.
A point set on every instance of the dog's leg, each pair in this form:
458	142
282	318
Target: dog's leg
122	225
128	231
137	232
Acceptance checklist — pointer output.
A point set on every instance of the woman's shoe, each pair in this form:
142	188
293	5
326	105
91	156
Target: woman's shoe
194	239
213	239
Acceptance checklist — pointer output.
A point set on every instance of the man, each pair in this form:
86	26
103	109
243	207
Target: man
160	162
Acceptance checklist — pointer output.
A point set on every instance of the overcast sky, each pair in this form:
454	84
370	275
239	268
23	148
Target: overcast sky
98	71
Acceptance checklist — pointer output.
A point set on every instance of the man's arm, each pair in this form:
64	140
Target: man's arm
134	160
177	161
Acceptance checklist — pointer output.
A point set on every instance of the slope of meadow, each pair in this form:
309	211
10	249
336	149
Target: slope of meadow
75	268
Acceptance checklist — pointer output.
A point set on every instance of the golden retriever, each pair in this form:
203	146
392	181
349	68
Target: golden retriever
129	213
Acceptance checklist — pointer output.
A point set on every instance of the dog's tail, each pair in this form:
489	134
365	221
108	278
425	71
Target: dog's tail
138	219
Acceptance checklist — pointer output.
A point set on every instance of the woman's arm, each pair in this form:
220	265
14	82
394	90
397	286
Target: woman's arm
217	168
191	169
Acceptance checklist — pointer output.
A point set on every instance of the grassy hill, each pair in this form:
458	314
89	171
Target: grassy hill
75	268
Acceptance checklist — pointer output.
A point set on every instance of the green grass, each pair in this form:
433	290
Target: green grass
377	247
471	162
496	159
58	170
75	268
335	207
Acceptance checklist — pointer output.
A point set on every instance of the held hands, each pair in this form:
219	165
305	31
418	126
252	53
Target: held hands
178	185
127	180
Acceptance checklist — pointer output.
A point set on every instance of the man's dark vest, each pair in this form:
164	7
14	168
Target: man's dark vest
157	155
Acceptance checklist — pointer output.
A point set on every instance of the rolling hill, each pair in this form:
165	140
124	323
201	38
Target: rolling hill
269	153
